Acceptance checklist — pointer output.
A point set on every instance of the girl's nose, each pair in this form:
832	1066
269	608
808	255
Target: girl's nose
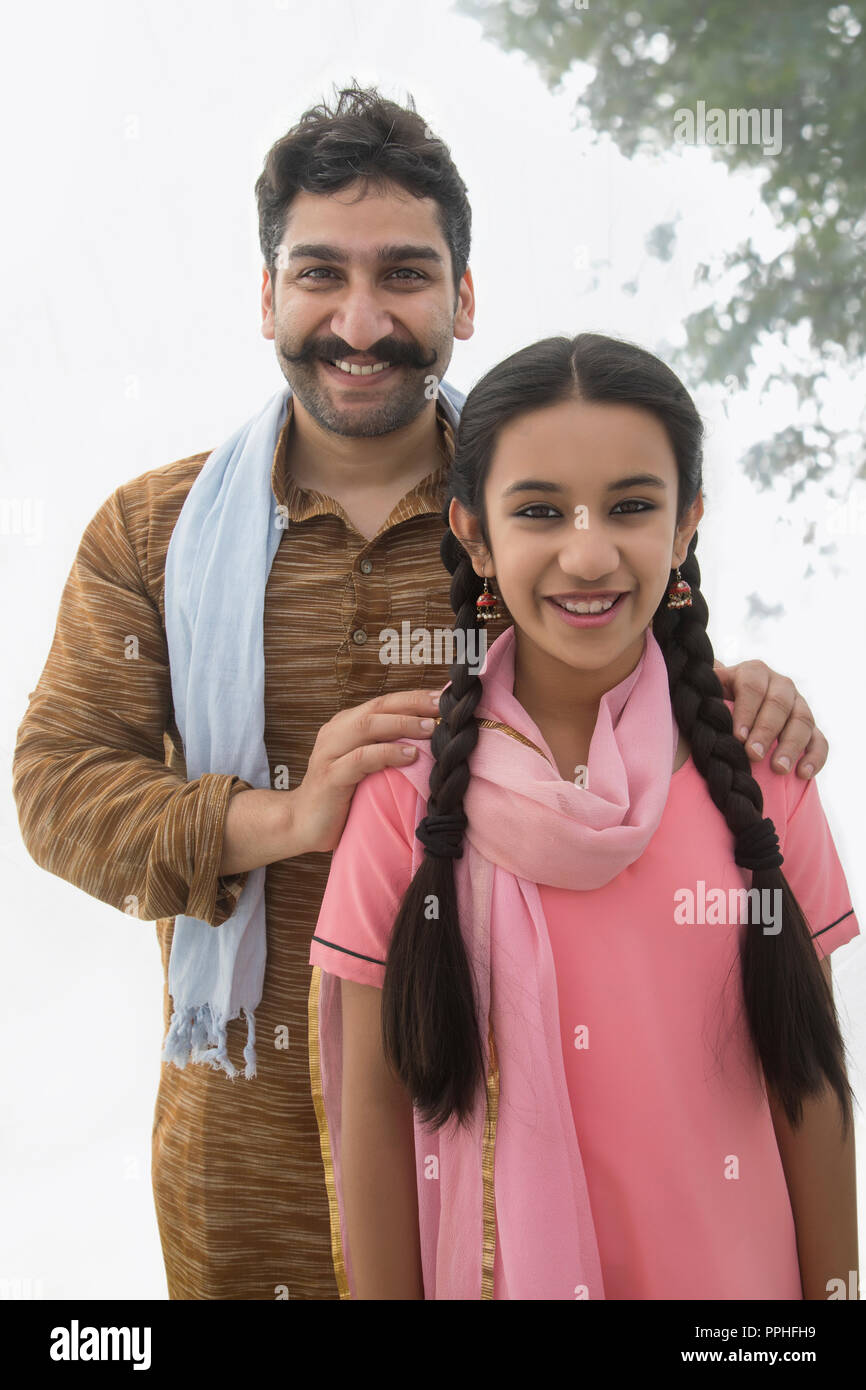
589	553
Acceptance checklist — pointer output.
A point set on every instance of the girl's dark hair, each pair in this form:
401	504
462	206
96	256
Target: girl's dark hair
429	1018
368	137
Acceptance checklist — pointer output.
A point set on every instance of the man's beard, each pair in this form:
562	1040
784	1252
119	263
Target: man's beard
403	402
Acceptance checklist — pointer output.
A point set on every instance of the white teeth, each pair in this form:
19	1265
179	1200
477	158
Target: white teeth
596	606
354	370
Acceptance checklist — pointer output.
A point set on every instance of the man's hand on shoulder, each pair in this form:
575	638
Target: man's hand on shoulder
769	706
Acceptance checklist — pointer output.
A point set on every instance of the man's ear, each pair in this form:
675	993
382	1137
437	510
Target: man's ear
267	305
464	311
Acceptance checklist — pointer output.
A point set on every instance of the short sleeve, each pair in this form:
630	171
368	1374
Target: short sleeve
813	869
371	868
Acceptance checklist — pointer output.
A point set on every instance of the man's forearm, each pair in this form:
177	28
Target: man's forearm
261	827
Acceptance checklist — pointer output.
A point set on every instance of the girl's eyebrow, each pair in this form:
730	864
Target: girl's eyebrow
633	480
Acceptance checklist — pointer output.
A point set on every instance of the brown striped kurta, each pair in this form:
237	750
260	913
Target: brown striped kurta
103	801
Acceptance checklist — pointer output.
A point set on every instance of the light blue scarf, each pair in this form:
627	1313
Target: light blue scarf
219	558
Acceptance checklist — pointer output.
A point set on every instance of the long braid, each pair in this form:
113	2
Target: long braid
429	1020
789	1004
455	737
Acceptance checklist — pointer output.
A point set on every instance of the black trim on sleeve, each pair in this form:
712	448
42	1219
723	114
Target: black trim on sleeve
849	913
347	952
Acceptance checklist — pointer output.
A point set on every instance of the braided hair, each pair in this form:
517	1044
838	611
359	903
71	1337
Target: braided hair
430	1028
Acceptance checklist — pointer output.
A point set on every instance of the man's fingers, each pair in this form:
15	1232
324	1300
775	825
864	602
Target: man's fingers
375	728
813	756
774	714
399	710
401	702
800	743
768	706
373	725
746	684
793	741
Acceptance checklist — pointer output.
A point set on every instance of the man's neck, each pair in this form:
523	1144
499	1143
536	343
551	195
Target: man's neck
351	466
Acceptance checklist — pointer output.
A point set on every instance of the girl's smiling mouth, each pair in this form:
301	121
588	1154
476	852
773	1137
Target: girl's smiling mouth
597	619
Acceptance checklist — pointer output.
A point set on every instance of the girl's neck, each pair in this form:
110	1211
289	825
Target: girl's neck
563	704
557	695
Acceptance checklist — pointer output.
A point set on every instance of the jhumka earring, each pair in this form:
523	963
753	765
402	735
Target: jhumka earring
486	606
680	593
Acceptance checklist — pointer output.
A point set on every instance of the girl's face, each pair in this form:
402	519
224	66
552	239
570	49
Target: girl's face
581	501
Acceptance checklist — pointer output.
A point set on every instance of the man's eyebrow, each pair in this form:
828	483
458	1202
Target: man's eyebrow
633	480
401	251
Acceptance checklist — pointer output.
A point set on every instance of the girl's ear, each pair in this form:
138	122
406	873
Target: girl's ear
685	530
467	529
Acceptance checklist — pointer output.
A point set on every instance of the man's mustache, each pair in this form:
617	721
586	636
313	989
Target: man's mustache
334	349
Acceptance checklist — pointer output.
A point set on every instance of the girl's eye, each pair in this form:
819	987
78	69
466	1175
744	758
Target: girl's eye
536	507
630	502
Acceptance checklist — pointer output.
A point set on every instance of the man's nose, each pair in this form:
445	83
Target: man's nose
360	319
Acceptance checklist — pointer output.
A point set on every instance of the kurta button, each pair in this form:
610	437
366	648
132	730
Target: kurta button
366	566
359	635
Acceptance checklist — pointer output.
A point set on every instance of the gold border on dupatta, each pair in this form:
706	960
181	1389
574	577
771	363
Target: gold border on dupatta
507	729
488	1252
324	1136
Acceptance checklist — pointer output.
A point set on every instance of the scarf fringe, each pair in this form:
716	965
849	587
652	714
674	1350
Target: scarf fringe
195	1034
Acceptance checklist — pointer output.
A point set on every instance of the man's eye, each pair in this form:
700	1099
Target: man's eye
318	270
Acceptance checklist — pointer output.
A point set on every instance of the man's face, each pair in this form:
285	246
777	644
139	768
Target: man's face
337	298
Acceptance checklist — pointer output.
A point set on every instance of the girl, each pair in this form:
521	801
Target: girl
558	1048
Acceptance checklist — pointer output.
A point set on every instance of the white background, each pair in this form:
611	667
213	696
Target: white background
131	273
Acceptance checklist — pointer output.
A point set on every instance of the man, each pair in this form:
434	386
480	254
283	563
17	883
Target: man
362	272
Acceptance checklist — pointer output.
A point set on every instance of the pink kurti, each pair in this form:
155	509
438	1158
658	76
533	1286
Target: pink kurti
687	1189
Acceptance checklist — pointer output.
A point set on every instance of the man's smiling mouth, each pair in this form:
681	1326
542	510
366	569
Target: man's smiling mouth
358	369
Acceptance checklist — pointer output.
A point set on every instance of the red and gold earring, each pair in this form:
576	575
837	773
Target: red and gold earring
680	593
486	606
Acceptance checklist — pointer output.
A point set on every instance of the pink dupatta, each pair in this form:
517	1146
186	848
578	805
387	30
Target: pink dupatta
504	1210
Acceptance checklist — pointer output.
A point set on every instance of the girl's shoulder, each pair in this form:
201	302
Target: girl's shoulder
385	804
370	870
812	865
